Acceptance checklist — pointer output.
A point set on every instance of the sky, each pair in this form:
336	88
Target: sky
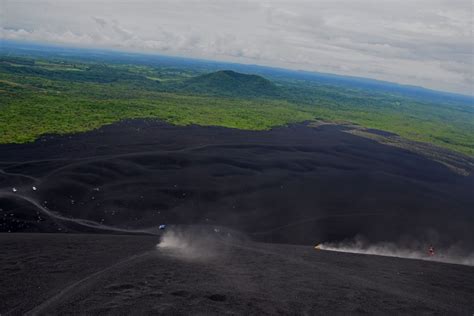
427	43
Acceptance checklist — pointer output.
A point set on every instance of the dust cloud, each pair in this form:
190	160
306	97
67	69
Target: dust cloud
195	243
417	250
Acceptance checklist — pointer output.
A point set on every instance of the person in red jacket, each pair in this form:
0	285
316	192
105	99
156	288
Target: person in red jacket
431	251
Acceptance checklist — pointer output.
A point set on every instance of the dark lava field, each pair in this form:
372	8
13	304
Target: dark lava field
295	184
79	217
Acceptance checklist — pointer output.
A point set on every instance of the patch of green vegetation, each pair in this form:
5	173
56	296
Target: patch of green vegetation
50	95
26	119
231	84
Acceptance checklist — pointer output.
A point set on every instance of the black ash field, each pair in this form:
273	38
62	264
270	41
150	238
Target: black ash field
51	274
297	185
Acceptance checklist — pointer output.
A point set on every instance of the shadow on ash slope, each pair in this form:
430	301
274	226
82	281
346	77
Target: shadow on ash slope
408	249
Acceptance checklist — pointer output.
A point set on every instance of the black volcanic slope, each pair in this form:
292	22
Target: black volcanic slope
62	274
231	83
292	184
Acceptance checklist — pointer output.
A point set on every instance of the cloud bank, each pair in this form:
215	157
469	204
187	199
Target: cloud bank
424	42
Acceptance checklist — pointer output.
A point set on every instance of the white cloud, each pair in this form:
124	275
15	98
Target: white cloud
423	42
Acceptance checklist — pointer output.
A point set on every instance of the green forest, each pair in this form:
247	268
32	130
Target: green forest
45	95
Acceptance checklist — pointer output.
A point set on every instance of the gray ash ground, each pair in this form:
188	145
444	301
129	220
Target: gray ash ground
62	274
290	185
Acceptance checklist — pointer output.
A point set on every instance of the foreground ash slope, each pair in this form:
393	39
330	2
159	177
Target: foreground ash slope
295	184
119	275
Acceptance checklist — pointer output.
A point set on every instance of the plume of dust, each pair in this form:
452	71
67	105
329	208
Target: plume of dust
452	254
192	244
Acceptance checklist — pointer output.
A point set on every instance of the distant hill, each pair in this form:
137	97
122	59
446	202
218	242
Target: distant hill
231	83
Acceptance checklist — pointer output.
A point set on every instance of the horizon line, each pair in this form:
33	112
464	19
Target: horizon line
217	61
